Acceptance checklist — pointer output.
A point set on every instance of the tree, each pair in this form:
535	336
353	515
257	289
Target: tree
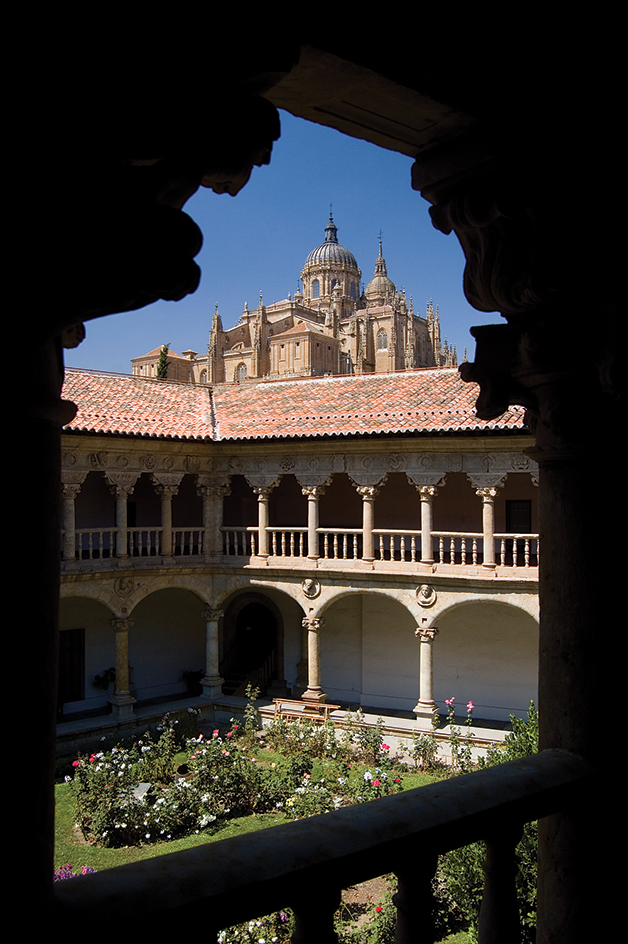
162	363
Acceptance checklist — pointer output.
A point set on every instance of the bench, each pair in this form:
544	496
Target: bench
295	709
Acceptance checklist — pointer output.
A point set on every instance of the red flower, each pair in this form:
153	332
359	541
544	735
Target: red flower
76	763
378	908
377	783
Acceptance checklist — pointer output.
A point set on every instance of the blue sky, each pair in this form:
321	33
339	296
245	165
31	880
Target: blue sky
258	241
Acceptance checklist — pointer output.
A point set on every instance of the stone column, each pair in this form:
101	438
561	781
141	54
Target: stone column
121	494
426	706
212	681
313	493
368	494
263	494
166	493
213	497
488	525
69	521
428	494
122	700
314	691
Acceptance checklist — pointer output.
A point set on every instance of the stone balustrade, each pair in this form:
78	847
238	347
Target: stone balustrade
304	865
452	549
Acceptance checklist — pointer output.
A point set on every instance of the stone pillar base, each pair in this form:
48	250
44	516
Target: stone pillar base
316	695
212	686
425	711
122	707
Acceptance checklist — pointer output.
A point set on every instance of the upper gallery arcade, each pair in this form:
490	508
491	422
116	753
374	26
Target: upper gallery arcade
331	326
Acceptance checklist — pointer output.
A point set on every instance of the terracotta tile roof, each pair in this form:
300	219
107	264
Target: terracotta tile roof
429	401
137	406
156	352
301	328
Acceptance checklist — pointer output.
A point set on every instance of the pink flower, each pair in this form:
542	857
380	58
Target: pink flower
378	908
226	753
200	737
253	761
398	780
229	734
306	776
470	706
76	763
216	733
377	783
385	747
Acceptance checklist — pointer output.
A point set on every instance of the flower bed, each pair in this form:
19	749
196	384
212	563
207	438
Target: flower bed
138	794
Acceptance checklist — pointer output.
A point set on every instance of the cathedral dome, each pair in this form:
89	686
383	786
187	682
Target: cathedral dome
331	251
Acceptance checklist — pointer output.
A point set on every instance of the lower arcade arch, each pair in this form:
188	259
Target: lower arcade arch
86	654
260	642
369	654
486	652
167	645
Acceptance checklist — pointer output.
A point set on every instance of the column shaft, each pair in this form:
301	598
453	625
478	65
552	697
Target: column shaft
314	691
213	681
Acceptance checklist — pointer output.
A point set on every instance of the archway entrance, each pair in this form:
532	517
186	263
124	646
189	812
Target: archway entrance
252	644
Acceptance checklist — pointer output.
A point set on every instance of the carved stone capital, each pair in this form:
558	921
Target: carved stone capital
209	614
486	494
71	491
121	483
263	484
166	480
426	634
368	492
122	625
313	491
216	492
313	623
427	492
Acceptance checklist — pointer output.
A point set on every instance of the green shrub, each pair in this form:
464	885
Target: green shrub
460	878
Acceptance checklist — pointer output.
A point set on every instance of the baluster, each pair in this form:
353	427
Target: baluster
474	550
402	547
292	544
452	550
336	545
314	915
413	549
415	902
441	550
345	546
502	552
463	550
499	911
326	545
90	544
526	553
254	537
355	547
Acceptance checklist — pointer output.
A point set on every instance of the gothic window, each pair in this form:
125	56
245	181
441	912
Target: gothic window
240	373
316	288
203	376
352	291
382	340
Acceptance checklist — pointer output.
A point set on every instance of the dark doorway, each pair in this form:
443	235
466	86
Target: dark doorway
71	668
250	645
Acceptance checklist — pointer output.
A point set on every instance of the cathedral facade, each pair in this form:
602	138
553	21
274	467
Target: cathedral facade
331	326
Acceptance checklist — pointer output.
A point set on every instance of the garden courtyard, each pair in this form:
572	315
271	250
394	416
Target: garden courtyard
189	783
